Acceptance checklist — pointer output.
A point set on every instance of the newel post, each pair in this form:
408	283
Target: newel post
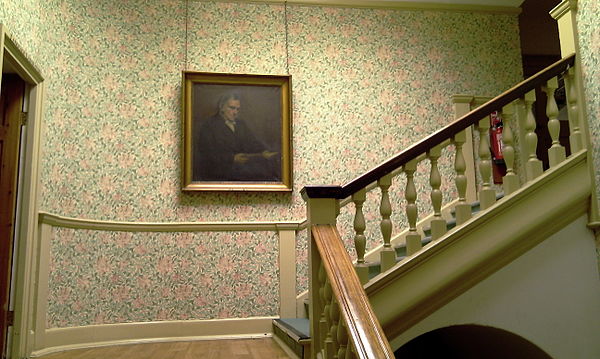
319	211
565	14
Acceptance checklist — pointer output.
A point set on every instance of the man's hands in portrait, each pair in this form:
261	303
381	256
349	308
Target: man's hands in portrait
268	154
245	157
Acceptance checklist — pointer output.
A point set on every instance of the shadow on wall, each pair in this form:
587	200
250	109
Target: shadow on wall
470	341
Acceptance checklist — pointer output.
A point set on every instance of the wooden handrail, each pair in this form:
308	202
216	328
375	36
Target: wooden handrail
445	133
364	329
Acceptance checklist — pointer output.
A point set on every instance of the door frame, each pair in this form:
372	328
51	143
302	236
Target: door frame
23	331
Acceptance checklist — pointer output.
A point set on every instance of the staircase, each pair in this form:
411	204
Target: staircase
293	333
355	308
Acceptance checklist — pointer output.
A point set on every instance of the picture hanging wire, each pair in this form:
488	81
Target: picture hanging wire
287	50
285	18
185	66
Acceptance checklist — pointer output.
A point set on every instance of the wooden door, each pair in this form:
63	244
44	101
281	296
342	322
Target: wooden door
11	103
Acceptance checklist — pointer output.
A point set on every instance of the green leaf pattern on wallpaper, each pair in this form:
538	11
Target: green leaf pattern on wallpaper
22	19
359	77
588	23
366	84
118	277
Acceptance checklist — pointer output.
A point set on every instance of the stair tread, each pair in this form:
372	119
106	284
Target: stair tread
295	328
299	328
475	206
401	249
450	223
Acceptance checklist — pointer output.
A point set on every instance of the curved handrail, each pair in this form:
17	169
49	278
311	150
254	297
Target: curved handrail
445	133
364	329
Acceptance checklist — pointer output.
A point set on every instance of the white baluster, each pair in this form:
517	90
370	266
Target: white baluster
350	352
335	319
556	153
576	137
462	208
342	338
388	254
413	239
438	223
328	344
360	241
510	181
487	195
533	167
322	336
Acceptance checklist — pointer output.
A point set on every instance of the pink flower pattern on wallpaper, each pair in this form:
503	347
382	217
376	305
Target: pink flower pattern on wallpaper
588	23
366	84
358	77
137	277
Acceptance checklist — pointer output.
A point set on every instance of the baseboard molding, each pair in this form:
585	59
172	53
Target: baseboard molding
61	339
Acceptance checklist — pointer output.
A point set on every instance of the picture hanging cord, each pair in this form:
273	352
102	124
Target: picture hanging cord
185	66
287	49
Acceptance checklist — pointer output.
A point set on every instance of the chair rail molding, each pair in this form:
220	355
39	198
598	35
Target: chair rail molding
48	340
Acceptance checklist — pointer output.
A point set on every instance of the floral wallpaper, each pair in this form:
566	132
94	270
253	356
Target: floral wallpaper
588	24
358	76
301	262
118	277
366	84
589	42
22	20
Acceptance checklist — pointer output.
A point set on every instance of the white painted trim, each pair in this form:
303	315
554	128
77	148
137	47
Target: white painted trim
99	225
563	8
27	265
25	286
373	254
485	244
548	296
24	68
393	5
41	294
565	14
463	104
61	339
399	239
287	274
422	157
303	224
50	340
77	337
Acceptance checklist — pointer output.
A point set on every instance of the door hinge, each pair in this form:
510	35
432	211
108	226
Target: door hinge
10	318
23	118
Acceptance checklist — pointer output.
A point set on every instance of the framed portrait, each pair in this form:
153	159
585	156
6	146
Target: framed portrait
236	132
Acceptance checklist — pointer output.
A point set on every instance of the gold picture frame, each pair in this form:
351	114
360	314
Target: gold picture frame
236	132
